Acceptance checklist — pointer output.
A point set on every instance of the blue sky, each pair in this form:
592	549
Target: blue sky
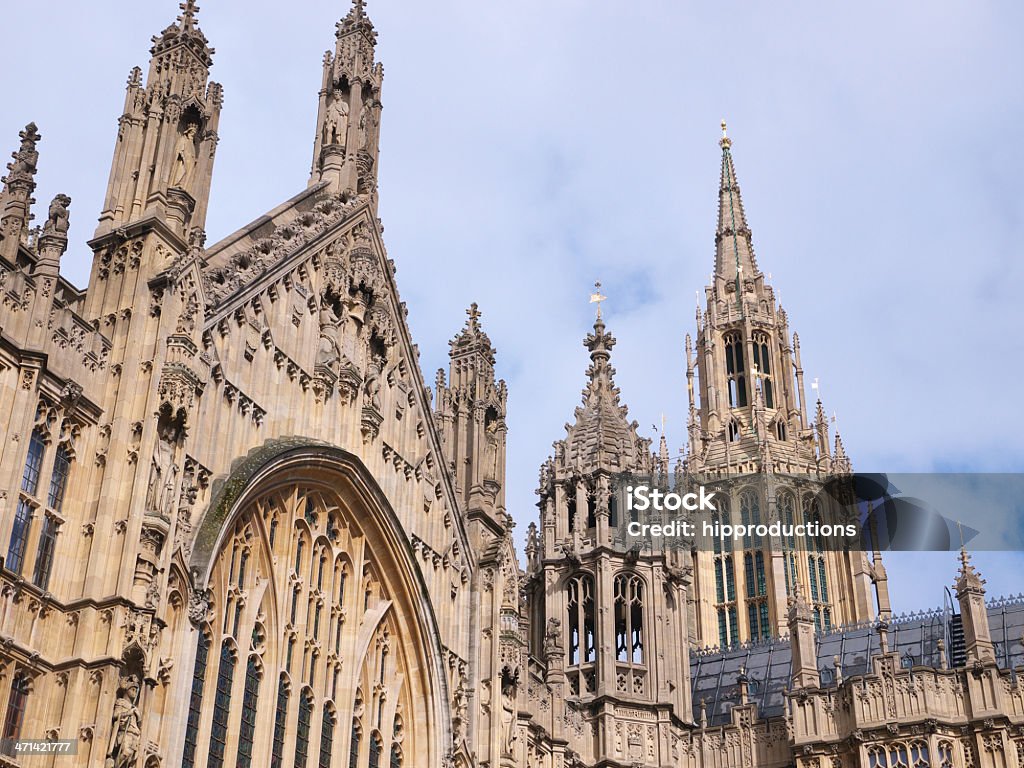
529	148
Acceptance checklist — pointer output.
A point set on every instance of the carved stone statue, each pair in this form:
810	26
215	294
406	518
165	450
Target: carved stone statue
372	385
185	158
367	123
162	469
59	219
491	451
336	120
126	730
327	353
26	158
508	716
552	638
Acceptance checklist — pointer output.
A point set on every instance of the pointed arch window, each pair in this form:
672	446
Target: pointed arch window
353	749
763	367
302	728
44	555
280	720
59	478
326	738
582	623
17	701
250	699
750	516
396	756
33	463
735	370
376	747
817	571
629	619
221	706
19	536
195	702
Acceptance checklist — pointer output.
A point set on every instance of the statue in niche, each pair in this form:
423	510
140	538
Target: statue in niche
59	219
372	384
366	124
187	320
185	158
327	353
336	120
552	638
491	450
508	715
126	731
162	469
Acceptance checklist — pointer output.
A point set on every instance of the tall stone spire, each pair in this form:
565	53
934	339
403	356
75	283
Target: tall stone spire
167	134
734	251
753	421
345	148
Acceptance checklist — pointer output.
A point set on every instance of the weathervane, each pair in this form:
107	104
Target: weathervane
597	297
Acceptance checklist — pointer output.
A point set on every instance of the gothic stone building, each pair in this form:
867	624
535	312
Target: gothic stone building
238	528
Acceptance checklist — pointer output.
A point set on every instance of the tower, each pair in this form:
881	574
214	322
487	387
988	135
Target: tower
167	135
470	412
752	432
345	148
610	623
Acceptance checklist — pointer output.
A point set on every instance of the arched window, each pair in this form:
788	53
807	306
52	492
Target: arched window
763	367
376	747
221	706
326	739
788	517
44	554
582	640
750	515
629	619
17	700
242	569
250	699
877	758
735	372
946	754
757	616
817	572
353	749
15	560
59	478
33	463
280	721
195	702
396	756
919	755
302	728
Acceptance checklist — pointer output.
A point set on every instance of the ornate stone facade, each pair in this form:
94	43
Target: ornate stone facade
240	530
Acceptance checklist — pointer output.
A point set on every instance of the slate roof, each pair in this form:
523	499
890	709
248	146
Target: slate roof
713	673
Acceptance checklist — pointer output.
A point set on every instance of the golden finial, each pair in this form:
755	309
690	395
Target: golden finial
596	298
725	141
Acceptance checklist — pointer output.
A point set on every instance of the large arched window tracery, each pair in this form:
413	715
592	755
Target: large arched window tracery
299	580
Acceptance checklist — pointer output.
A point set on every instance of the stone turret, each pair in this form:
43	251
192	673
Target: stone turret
345	149
167	135
751	433
970	592
801	640
471	410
